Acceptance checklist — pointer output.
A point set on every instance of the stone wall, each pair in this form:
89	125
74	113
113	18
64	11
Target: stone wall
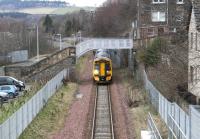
22	71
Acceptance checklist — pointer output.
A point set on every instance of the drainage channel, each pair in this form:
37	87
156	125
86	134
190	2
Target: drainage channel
102	119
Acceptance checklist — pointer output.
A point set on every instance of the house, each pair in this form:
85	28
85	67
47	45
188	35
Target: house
160	17
194	51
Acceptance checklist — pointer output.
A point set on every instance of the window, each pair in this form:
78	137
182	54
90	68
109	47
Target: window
9	81
158	16
196	43
191	40
191	74
195	74
150	32
158	1
108	67
179	1
5	88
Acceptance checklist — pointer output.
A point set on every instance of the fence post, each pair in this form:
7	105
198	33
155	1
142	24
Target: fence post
190	122
0	132
170	136
185	125
179	123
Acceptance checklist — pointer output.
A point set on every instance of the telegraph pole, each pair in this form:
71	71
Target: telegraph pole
37	44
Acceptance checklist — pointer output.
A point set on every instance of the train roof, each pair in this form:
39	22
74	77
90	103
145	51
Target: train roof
101	50
102	53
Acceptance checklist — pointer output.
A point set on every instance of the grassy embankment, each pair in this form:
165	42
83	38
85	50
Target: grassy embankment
51	119
140	106
12	106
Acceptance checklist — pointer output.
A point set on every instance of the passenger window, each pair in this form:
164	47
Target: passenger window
10	81
2	79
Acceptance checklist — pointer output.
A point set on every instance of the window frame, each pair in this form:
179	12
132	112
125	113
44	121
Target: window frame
158	2
179	1
191	40
198	41
192	74
158	14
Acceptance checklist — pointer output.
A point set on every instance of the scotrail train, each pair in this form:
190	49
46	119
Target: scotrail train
102	67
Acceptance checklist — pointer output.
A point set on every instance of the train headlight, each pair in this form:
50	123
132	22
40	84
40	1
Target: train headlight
108	72
96	72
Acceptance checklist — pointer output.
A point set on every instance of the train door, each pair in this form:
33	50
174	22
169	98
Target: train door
102	69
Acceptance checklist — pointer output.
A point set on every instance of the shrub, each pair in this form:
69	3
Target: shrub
150	56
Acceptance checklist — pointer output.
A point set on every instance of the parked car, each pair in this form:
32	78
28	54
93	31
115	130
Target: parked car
7	80
4	96
12	90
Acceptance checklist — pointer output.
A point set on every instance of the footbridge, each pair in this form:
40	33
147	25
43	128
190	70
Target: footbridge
102	43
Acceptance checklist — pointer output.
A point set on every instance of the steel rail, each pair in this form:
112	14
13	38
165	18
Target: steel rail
102	127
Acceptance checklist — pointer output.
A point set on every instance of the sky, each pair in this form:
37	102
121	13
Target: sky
86	2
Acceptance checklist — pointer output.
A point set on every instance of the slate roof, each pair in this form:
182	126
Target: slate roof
196	8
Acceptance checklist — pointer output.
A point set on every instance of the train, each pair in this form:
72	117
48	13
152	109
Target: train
102	67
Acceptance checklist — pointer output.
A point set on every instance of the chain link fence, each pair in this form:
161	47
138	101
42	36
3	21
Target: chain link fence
16	124
181	125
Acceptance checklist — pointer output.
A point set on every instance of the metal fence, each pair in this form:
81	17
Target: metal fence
15	125
177	121
152	127
18	56
195	122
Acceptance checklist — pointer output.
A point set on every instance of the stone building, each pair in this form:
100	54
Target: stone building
160	17
194	51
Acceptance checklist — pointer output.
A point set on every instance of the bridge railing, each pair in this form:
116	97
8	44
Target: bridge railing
100	43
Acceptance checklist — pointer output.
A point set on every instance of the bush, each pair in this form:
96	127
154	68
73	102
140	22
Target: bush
151	55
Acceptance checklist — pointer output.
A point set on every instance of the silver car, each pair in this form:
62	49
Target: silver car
4	96
12	90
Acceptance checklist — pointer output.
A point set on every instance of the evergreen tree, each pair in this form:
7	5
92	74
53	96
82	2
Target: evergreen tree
48	23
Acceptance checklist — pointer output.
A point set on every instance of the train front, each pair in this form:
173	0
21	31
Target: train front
102	68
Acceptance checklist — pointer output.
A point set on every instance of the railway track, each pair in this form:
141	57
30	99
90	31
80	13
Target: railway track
102	119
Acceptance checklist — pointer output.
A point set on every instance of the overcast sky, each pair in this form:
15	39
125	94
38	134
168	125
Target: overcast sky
86	2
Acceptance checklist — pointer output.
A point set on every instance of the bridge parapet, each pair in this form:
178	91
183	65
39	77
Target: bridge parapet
99	43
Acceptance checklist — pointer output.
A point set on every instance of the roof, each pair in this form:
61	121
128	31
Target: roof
100	53
196	10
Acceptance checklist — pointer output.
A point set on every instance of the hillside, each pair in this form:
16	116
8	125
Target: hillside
18	4
58	11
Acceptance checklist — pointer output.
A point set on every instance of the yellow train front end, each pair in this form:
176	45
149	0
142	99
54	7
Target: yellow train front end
102	70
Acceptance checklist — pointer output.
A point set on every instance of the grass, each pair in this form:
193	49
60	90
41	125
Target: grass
9	108
58	11
66	10
38	10
140	106
80	66
52	117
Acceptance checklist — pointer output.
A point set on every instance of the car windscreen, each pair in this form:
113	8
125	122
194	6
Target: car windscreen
5	88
